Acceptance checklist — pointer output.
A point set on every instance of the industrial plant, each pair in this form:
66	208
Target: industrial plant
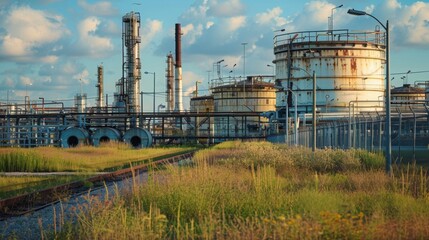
328	90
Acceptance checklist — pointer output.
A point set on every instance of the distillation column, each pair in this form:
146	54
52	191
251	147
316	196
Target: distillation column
100	87
132	66
170	82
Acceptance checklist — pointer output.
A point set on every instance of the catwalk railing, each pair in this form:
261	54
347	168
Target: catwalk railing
365	130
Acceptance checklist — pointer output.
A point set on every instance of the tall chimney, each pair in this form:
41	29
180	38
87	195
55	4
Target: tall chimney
100	88
178	106
170	83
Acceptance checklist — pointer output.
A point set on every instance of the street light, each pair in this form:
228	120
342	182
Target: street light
162	106
43	104
407	75
314	105
196	88
388	113
272	67
331	26
153	89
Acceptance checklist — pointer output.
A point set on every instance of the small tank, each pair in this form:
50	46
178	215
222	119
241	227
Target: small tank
138	137
105	134
73	137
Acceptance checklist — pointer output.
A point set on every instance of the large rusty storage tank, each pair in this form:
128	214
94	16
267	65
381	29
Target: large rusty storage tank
255	94
202	126
349	68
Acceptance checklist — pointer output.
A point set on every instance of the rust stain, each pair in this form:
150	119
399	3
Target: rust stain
353	65
345	52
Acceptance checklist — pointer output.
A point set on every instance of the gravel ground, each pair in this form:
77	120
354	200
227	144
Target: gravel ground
29	226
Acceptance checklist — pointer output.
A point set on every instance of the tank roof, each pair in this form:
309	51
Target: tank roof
248	82
207	97
407	88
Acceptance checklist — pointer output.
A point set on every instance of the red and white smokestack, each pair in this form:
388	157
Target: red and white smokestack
178	106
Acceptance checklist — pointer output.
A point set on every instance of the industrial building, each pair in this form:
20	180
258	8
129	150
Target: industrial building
254	94
332	80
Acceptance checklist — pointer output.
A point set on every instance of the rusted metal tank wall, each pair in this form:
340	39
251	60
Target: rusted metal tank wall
251	95
203	126
349	66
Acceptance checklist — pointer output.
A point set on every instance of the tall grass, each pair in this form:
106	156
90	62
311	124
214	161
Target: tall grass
83	158
265	191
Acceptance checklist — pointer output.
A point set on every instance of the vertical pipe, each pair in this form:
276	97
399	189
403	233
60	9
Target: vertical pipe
388	99
400	133
314	112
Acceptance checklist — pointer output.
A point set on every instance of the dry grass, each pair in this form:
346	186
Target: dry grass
83	158
265	191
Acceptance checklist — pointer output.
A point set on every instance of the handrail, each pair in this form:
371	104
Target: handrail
341	35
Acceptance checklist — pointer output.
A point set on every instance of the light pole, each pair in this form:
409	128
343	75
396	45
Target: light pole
8	107
244	72
244	59
331	26
388	131
141	101
314	105
27	98
407	75
295	127
153	89
43	104
196	88
162	106
272	68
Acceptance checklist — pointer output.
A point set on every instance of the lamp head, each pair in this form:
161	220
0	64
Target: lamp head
356	12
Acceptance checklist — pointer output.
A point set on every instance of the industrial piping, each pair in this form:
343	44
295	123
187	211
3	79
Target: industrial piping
178	83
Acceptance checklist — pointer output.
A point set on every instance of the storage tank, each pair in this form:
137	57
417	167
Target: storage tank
255	94
349	66
105	134
138	137
202	126
74	136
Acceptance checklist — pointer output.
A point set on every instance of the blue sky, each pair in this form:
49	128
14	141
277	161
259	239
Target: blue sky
52	44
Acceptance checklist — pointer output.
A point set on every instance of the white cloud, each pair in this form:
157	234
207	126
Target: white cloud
30	35
25	81
225	8
271	17
89	43
410	25
150	28
234	23
103	8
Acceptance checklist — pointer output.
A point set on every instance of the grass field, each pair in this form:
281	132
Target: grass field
264	191
85	161
81	159
11	186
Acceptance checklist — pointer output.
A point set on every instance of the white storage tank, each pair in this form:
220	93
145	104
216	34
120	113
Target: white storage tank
255	94
349	67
